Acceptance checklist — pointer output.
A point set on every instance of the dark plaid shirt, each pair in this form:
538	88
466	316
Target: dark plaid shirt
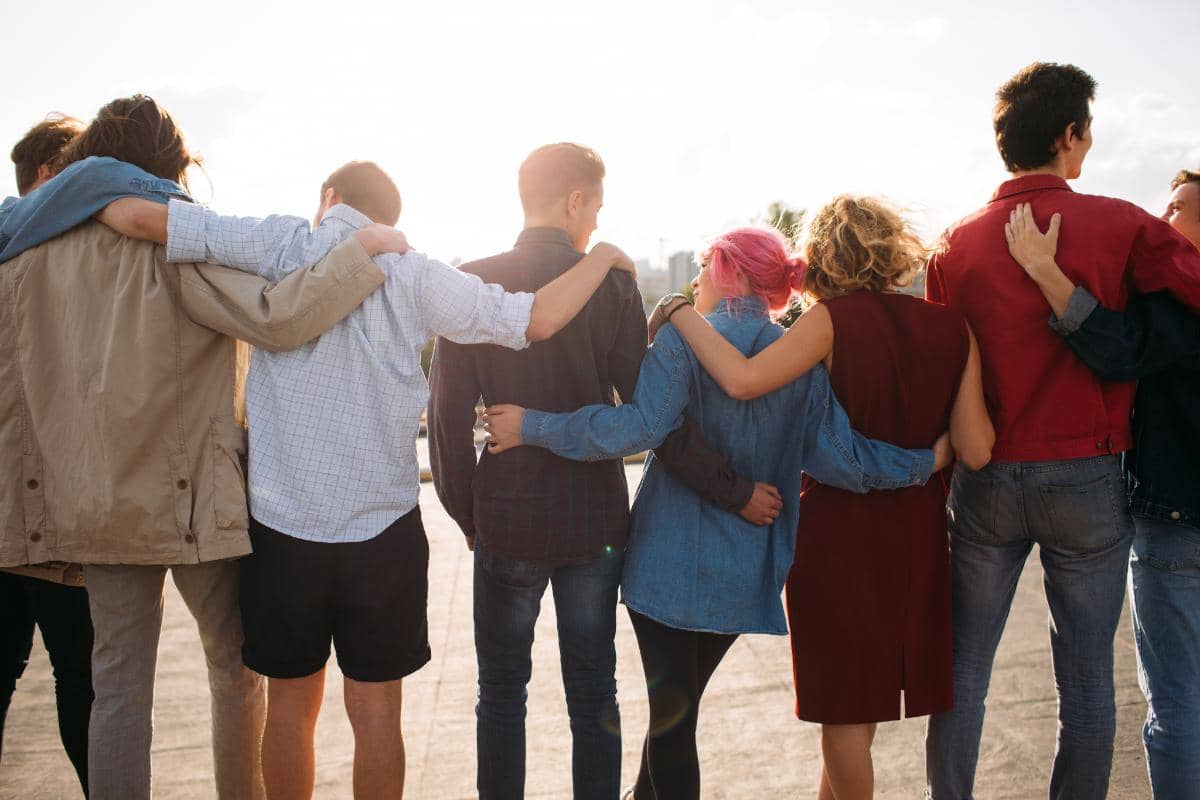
529	503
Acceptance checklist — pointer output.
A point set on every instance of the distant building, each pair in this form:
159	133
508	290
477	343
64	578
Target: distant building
681	268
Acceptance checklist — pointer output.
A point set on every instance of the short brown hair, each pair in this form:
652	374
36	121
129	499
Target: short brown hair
138	131
553	171
1185	176
367	189
1034	107
41	146
855	243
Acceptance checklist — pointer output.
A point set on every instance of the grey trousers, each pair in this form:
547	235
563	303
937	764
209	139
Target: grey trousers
127	611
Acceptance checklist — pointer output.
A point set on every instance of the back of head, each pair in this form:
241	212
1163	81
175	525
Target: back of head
366	188
553	171
760	256
41	147
1033	109
138	131
855	243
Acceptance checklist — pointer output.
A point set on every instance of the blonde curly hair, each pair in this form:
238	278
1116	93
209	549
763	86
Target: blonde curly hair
855	243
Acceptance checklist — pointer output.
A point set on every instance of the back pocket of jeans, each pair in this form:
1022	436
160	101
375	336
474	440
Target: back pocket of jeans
1085	517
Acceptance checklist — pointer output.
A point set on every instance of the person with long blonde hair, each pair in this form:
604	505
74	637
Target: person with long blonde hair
868	594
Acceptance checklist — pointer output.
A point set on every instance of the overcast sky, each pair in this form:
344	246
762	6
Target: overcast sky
703	111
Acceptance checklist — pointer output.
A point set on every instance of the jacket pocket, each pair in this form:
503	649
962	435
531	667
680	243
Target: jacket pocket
229	474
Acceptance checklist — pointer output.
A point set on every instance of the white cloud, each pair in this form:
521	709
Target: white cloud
929	29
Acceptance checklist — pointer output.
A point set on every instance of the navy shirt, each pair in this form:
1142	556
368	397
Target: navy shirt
1156	342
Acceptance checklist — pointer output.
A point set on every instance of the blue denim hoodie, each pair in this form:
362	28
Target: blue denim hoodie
689	564
71	197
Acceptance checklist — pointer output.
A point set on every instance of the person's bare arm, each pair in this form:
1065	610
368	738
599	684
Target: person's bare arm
1035	252
136	218
804	346
557	303
971	431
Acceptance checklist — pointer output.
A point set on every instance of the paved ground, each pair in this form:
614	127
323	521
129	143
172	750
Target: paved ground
750	745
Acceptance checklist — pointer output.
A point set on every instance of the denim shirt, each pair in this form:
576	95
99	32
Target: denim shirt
1155	341
689	564
71	197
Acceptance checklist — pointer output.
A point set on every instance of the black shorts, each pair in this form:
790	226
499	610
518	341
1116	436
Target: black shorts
368	598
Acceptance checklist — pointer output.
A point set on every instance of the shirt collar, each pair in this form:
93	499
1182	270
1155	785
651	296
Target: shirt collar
1029	183
545	235
746	304
350	216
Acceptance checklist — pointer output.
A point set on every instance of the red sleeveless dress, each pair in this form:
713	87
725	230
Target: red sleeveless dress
868	595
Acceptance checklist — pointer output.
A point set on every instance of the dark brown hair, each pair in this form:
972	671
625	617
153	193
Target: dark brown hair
1185	176
366	188
1033	109
41	146
553	171
138	131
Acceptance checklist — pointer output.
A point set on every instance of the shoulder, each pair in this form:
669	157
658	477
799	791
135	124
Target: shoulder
1102	204
622	283
489	268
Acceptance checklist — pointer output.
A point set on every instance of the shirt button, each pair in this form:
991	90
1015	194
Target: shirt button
31	483
35	537
182	484
189	538
1175	515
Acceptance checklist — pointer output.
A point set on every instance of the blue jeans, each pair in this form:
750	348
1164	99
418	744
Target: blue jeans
1164	576
508	596
1076	512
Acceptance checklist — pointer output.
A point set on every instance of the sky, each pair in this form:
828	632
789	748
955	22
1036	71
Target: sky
704	112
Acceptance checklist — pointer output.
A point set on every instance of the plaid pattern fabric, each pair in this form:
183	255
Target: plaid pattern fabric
333	424
528	503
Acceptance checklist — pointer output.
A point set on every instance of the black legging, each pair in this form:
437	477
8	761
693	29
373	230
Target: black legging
678	664
66	622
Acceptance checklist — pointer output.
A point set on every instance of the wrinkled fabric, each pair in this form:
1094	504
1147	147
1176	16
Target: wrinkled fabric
118	442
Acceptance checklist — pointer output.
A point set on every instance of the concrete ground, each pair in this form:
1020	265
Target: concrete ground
750	744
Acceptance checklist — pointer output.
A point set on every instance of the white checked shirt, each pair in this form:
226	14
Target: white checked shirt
333	424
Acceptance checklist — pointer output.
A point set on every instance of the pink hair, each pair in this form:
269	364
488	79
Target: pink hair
759	254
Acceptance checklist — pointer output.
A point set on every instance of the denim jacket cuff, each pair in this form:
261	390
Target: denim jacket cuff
922	469
1079	308
533	427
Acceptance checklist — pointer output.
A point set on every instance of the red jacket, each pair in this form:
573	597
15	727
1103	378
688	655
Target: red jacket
1046	403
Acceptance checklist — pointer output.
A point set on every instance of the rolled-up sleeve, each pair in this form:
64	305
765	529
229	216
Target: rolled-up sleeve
462	308
1079	307
185	232
270	247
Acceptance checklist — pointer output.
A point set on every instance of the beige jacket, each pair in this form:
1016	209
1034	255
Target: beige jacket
118	443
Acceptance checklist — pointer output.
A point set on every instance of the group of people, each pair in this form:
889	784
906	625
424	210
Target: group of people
129	403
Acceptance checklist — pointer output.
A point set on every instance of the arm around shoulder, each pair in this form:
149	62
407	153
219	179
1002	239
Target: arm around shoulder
285	315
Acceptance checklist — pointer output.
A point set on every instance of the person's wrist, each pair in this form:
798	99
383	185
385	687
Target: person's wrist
682	303
1044	269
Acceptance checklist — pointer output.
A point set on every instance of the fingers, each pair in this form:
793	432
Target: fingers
1055	221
